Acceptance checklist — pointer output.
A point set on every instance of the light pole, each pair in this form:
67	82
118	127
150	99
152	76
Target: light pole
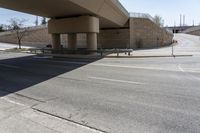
173	50
36	21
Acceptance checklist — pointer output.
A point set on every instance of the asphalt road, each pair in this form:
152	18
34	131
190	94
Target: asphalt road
114	95
187	45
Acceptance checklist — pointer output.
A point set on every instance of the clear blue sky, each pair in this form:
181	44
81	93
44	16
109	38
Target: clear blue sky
170	10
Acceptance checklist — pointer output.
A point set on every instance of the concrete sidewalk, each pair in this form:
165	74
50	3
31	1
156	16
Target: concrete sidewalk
135	54
6	46
19	117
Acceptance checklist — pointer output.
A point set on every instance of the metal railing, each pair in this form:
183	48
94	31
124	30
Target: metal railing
102	52
147	16
120	6
142	15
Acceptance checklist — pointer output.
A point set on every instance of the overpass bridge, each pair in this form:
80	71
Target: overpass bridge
179	29
74	16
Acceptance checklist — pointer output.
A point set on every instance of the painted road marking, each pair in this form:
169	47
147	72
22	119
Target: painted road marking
147	68
136	67
11	101
116	80
180	68
42	57
106	65
9	66
122	66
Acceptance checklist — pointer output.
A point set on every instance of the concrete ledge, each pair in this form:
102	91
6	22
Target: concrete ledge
109	56
156	56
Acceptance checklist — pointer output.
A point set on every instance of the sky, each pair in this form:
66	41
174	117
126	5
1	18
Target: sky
169	10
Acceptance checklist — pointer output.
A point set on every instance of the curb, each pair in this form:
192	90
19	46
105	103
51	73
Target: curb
72	56
106	56
150	56
99	57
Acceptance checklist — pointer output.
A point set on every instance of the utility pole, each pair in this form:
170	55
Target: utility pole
180	20
183	20
36	21
174	30
173	50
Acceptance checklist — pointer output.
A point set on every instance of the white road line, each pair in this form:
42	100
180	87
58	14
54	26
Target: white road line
42	57
107	65
180	68
101	64
9	66
147	68
117	80
137	67
11	101
122	66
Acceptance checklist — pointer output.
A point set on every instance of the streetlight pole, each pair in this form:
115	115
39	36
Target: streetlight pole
36	21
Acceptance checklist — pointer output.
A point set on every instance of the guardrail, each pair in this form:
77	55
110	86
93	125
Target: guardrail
142	15
119	5
81	51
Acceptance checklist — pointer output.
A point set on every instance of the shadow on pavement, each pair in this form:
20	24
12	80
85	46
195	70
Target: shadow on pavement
20	73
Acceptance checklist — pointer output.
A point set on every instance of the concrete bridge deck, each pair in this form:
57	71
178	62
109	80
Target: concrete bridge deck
74	16
110	12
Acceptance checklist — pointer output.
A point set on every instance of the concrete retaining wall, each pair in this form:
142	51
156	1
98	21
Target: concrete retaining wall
114	38
193	31
146	34
39	37
197	33
141	33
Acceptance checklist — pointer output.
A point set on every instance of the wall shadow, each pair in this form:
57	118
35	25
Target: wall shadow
20	73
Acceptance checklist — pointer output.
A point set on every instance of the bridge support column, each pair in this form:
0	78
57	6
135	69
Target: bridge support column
56	41
83	24
92	41
72	40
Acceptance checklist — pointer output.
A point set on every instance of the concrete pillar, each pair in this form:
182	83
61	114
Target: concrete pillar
56	41
72	40
92	41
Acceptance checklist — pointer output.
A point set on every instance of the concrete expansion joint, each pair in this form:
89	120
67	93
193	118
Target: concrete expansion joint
33	107
23	96
71	121
30	98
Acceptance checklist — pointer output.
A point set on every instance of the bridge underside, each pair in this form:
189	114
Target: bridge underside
109	12
73	16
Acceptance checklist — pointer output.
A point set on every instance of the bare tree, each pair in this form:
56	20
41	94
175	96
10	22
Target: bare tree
1	28
159	20
17	26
